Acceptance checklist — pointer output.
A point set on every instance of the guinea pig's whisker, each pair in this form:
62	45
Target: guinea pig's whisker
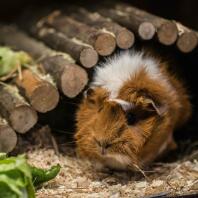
62	131
64	143
150	171
134	165
70	142
72	103
141	171
81	140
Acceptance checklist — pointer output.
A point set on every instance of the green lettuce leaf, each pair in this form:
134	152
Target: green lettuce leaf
15	178
10	60
18	178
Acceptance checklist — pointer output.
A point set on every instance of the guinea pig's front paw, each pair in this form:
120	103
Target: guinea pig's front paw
102	168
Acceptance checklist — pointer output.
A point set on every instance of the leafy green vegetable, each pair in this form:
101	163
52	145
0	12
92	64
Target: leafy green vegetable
11	60
17	177
3	156
40	176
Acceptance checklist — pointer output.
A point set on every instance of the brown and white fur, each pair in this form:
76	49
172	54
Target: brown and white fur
128	115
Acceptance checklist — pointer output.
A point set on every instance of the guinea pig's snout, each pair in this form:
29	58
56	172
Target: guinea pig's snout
102	145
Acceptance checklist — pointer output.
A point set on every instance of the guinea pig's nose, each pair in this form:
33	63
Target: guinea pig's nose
103	149
102	145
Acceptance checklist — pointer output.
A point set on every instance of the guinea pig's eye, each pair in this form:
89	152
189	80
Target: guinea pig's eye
131	118
88	92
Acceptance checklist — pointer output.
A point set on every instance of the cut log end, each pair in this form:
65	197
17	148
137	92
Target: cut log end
125	39
146	31
23	118
167	33
187	42
70	78
44	98
8	138
73	80
88	57
105	44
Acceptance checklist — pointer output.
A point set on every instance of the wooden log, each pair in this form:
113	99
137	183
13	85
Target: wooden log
187	42
16	110
41	93
8	137
75	77
166	30
134	19
146	30
102	41
70	77
21	41
124	38
134	23
167	33
10	35
188	39
81	52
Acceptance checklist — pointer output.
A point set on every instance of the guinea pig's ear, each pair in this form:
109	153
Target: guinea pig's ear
95	96
126	106
89	95
152	106
89	92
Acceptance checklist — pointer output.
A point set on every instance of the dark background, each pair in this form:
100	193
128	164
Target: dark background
184	11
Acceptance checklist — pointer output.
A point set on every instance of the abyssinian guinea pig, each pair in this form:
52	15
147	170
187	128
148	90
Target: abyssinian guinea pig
129	112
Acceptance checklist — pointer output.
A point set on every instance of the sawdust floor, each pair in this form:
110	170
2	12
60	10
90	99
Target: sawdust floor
79	179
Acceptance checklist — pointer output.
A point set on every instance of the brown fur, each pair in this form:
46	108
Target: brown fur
102	123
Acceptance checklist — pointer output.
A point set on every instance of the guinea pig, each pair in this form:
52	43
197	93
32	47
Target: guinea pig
130	111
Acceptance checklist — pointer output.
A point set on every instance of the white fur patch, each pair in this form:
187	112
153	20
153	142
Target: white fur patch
112	74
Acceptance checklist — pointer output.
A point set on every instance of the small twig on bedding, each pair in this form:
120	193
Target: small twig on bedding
55	146
141	171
